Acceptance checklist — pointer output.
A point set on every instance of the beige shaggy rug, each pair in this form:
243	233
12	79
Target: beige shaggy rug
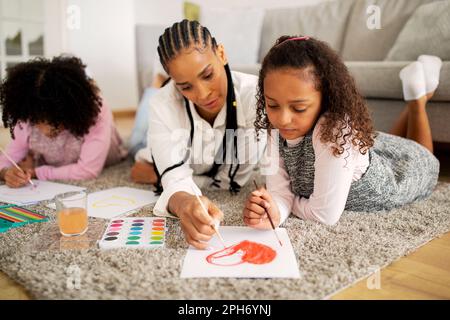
329	258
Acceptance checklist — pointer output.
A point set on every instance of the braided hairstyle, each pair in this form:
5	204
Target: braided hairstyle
56	92
183	35
191	35
342	104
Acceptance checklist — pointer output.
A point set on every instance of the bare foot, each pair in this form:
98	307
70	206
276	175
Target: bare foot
422	100
144	172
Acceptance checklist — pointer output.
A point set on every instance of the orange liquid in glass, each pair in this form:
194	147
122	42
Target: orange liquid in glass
72	221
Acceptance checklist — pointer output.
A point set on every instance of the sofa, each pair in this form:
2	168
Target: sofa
373	50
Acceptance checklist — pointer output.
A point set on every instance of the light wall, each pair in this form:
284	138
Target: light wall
154	12
106	41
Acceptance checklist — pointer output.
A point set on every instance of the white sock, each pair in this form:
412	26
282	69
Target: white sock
413	81
432	67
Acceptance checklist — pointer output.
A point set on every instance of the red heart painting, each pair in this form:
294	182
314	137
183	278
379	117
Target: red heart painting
250	252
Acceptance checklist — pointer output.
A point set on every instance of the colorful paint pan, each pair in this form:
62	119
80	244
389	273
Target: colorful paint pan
134	238
110	238
140	233
159	224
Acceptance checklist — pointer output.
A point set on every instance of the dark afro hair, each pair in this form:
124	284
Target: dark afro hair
56	92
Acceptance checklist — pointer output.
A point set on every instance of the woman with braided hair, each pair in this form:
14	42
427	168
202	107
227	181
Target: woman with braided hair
201	132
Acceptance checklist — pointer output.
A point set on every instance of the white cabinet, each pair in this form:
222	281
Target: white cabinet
21	31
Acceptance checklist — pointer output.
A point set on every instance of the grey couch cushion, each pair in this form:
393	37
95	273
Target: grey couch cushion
379	79
247	68
426	32
380	84
237	29
326	21
364	44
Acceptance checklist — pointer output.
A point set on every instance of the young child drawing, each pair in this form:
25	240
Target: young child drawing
330	159
60	125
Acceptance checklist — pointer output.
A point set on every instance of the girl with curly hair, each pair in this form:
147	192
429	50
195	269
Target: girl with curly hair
328	157
60	126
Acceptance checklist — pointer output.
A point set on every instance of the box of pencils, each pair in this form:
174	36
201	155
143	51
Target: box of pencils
13	216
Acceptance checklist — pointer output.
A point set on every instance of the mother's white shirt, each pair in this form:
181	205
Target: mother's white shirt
168	138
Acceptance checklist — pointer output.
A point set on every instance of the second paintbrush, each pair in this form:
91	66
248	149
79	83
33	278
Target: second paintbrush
270	218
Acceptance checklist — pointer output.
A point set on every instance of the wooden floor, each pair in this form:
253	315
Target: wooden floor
424	274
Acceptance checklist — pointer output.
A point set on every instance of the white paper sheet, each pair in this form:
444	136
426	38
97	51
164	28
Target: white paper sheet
44	190
283	265
111	203
114	202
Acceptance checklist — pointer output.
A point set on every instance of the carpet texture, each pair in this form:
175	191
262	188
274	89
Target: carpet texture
330	258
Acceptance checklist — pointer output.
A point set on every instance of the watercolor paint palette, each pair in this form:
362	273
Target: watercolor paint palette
134	233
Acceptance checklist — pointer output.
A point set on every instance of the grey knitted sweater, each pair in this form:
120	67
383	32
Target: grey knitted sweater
400	171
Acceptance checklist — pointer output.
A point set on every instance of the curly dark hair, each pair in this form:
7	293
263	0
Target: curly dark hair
345	113
56	92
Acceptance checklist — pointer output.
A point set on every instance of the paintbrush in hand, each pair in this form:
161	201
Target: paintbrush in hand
270	218
206	212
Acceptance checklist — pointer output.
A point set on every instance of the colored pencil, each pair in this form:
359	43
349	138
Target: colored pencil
19	213
15	164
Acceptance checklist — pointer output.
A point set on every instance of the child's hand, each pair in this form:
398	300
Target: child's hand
254	214
15	178
196	224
